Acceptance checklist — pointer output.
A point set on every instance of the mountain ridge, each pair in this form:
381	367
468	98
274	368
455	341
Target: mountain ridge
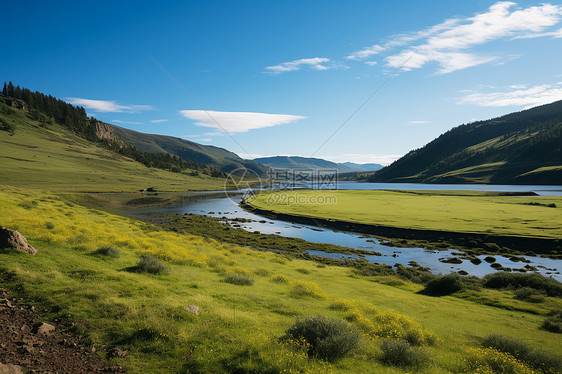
298	162
518	148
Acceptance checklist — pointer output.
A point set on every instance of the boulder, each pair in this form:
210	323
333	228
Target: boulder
13	239
43	328
193	309
116	352
10	369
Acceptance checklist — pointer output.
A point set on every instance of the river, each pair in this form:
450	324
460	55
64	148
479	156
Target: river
227	206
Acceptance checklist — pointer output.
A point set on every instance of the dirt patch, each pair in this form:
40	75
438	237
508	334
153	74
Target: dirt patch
28	342
21	145
19	159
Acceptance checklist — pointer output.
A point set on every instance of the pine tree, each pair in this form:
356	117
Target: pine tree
5	89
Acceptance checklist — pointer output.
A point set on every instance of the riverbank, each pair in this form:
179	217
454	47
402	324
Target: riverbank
415	215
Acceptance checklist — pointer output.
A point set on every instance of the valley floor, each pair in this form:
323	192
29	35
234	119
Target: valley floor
104	298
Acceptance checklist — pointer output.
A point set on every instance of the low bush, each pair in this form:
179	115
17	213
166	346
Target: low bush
514	347
325	338
108	250
444	285
279	278
490	360
550	286
537	359
303	288
529	294
401	353
150	264
239	279
553	322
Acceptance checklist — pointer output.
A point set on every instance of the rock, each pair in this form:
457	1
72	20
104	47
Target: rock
44	328
193	309
13	239
116	352
10	369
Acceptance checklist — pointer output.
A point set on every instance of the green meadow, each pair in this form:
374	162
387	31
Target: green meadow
464	212
94	294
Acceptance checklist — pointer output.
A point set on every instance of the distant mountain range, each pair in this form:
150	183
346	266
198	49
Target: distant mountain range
519	148
296	162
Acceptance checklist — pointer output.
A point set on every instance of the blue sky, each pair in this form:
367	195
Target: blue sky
282	77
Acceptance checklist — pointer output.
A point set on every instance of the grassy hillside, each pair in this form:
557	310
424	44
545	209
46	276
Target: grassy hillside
50	157
425	210
205	154
97	295
519	148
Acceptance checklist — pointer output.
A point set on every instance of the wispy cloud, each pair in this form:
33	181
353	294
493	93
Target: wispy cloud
127	122
158	120
419	122
237	122
449	43
315	63
526	97
106	105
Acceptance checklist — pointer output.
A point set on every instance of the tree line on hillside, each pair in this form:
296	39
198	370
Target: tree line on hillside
47	109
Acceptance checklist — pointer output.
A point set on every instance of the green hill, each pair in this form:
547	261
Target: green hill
219	158
519	148
35	154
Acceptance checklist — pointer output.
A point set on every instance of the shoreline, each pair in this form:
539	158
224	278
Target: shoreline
528	245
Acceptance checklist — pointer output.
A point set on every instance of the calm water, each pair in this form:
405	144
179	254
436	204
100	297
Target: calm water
223	206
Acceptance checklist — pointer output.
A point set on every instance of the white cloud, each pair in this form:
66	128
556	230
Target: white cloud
371	63
237	122
366	52
449	43
316	63
127	122
106	105
419	122
527	97
158	120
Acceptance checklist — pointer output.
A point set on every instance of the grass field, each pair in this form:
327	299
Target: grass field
239	327
54	159
467	212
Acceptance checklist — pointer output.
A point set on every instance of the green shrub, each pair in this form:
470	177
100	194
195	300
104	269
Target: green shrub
28	204
325	338
538	359
444	285
529	294
49	226
401	353
150	264
553	322
5	126
108	250
515	280
514	347
239	279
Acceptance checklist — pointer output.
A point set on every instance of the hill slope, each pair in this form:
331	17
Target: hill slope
209	155
518	148
296	162
50	157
